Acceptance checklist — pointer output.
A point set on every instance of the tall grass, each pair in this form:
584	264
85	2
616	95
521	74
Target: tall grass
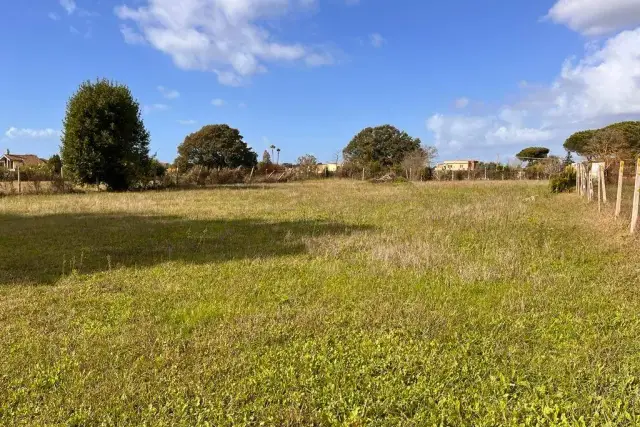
324	303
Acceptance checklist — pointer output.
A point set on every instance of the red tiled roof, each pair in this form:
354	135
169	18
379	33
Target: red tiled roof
27	159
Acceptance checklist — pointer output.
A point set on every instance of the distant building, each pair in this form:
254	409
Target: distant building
14	161
458	165
327	168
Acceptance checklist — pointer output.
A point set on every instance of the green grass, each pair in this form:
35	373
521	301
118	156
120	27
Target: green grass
327	303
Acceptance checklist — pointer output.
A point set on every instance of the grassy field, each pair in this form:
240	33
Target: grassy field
318	303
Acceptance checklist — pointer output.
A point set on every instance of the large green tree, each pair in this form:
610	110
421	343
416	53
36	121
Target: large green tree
384	146
582	142
215	146
104	138
578	142
532	154
630	132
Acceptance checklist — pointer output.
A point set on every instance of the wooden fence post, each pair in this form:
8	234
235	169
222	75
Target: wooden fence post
619	194
585	180
363	174
19	183
578	179
604	185
636	199
599	190
588	176
592	191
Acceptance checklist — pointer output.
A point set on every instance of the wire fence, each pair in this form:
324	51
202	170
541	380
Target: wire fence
593	182
35	180
39	180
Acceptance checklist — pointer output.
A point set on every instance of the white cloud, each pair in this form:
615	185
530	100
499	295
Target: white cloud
218	102
319	59
596	17
476	131
168	93
68	5
462	102
605	82
600	88
187	122
53	16
514	134
377	40
131	36
228	37
146	109
14	133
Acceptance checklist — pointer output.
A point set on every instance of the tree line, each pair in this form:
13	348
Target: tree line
105	142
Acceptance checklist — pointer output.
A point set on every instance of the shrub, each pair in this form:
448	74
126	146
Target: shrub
564	181
226	176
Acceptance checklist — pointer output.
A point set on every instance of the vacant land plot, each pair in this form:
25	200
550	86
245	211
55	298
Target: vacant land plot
318	303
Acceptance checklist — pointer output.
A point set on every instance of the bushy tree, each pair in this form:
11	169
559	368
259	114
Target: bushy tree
266	158
104	137
157	169
55	163
382	147
532	154
609	145
417	161
215	146
568	160
307	160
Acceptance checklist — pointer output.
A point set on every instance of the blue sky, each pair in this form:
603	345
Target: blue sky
477	78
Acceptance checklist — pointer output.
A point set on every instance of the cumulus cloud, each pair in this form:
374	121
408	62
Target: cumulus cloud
596	17
168	93
26	133
68	5
53	16
605	82
218	102
227	37
600	88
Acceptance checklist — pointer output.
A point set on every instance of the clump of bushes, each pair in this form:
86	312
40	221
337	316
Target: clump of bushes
564	181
